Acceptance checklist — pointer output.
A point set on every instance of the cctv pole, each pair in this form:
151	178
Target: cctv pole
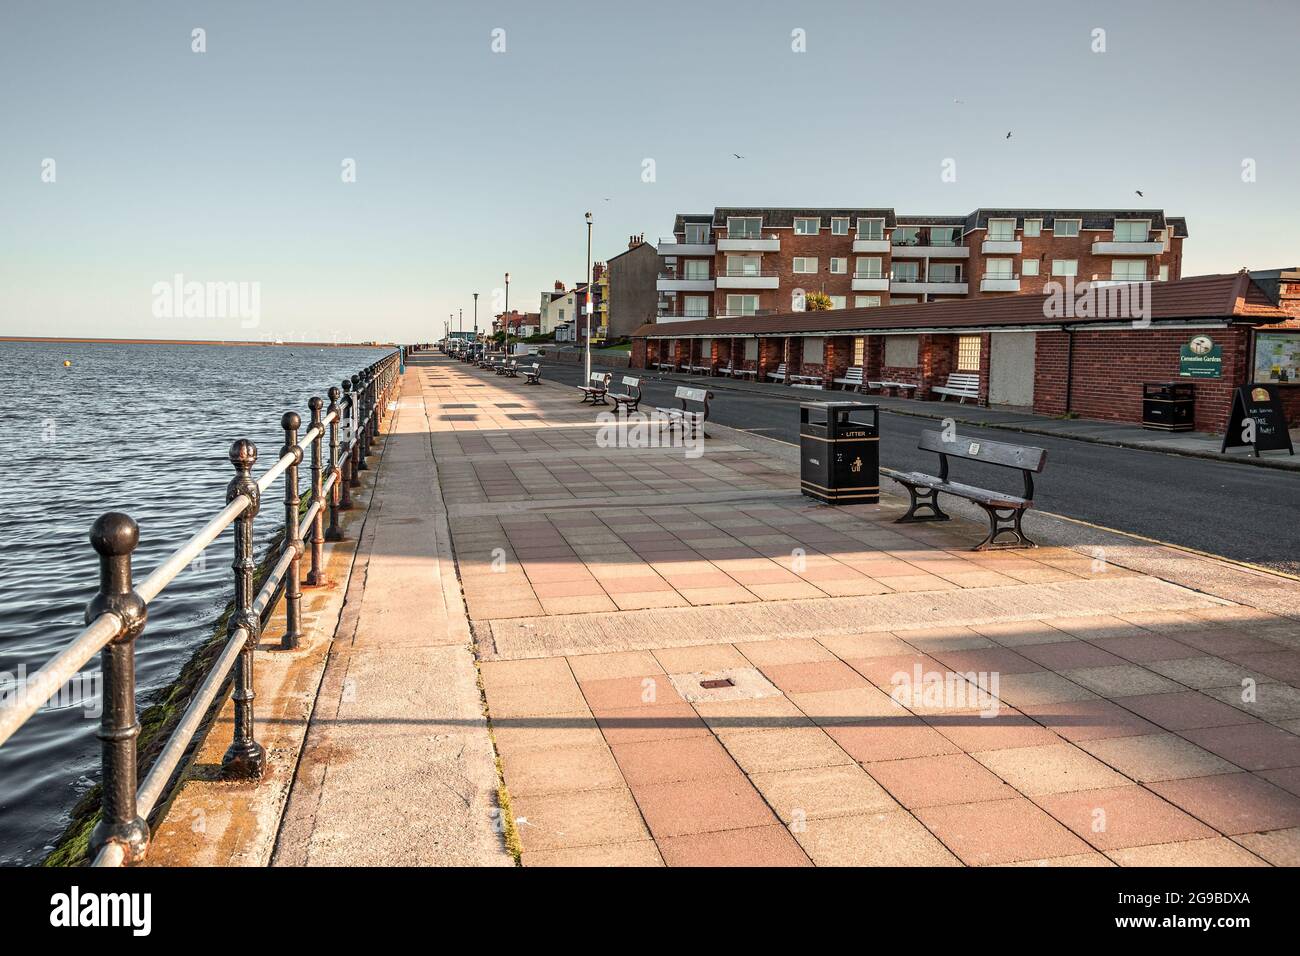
588	352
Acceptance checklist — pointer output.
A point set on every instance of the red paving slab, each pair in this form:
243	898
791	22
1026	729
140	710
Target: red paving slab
1117	817
1233	803
1000	831
753	846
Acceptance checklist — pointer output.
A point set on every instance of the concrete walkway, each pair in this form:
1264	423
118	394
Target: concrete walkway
686	662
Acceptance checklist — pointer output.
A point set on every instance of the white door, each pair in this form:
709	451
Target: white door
1011	369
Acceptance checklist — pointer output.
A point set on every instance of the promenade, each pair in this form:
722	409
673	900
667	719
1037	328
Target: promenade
681	660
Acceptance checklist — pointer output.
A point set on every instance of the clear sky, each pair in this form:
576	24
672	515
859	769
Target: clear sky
227	165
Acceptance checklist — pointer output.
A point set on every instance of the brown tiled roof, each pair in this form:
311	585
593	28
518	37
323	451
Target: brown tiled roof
1228	296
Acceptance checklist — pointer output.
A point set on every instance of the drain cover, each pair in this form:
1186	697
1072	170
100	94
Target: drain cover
717	682
734	683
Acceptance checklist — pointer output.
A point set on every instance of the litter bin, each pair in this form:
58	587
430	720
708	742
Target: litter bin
1168	406
839	452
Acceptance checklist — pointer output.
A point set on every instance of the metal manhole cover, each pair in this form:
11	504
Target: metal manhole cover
736	683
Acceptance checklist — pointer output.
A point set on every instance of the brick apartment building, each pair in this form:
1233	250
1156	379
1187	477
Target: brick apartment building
737	261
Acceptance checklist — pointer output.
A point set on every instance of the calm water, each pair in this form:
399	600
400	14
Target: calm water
137	428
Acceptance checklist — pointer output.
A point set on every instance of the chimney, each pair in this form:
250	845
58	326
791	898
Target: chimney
559	286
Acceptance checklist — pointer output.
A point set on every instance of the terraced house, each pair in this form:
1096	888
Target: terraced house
740	261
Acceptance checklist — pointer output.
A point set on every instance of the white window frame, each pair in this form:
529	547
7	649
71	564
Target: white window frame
842	263
1144	232
876	271
746	232
839	301
800	265
800	225
1005	230
1033	228
1065	267
876	231
1164	274
700	229
943	267
999	268
840	226
741	297
700	268
907	266
1134	270
750	264
1029	267
1070	231
688	301
866	302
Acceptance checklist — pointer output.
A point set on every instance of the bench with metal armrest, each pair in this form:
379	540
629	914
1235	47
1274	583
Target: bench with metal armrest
630	397
596	389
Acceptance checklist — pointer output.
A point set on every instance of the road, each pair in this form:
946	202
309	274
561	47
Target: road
1238	511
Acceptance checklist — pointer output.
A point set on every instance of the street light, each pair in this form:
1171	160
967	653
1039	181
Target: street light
476	315
588	362
507	313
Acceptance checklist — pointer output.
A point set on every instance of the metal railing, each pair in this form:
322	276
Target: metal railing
116	616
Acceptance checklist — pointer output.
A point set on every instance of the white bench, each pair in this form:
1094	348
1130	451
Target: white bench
779	373
703	369
685	417
596	389
852	379
895	387
532	375
962	384
630	397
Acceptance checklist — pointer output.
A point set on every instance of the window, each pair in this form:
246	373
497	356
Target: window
1002	230
808	226
1065	267
998	268
1164	273
742	305
968	353
907	236
697	232
561	315
943	236
840	227
805	264
1029	267
868	267
866	302
1066	227
906	271
751	350
839	266
903	300
945	272
814	350
696	306
744	265
901	351
696	268
838	301
871	229
1033	228
1133	270
1132	230
744	227
860	343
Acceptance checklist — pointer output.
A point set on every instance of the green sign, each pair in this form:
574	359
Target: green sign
1201	358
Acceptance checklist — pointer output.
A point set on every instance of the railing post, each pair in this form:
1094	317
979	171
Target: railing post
115	536
292	576
359	390
245	758
350	455
316	576
334	533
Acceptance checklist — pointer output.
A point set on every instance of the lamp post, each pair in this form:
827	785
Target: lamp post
588	309
507	312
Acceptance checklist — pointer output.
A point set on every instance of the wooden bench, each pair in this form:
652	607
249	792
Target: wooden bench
685	417
630	398
1004	510
895	387
510	369
532	374
596	389
702	369
779	373
962	384
852	379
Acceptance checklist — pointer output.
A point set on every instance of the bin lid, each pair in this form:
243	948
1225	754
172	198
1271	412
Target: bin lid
829	405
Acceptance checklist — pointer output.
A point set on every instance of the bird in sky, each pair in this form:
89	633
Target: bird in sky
957	101
1138	191
737	155
1008	134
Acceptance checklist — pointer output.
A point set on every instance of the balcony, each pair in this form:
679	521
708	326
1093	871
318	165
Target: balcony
1001	246
864	244
672	246
678	282
931	249
1126	248
768	243
1103	281
747	280
929	286
1000	284
870	282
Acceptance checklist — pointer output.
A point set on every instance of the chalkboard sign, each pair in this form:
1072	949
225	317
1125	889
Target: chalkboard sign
1257	420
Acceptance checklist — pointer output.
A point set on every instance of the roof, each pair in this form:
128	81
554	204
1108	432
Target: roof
1225	297
778	217
639	246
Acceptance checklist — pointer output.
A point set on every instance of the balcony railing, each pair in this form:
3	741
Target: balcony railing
686	277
